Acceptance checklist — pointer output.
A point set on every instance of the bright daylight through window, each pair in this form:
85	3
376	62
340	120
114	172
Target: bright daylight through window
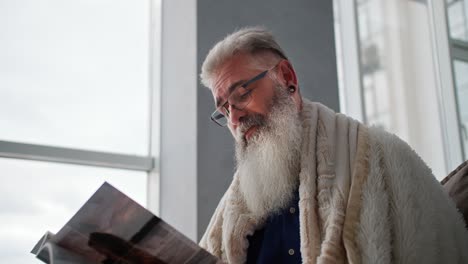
74	75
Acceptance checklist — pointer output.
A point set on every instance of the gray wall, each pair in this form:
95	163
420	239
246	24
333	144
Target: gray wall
304	28
196	156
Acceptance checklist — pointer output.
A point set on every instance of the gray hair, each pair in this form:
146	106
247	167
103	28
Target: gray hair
256	41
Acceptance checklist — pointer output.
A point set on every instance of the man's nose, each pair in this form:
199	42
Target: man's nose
235	115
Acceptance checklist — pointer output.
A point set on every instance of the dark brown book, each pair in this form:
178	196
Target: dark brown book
112	228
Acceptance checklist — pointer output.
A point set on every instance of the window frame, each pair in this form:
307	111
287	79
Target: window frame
149	163
444	50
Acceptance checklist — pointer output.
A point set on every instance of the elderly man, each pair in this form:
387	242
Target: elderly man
311	185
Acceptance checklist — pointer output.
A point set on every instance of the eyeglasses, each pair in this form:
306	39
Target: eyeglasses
238	99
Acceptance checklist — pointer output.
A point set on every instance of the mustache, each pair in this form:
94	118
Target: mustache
252	120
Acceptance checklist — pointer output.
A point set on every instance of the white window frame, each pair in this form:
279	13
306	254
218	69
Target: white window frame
444	52
446	88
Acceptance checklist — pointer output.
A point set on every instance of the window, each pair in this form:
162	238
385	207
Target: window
398	75
77	85
397	71
408	66
39	196
461	82
74	82
457	11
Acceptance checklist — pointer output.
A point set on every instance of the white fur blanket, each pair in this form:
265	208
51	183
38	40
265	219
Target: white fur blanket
365	197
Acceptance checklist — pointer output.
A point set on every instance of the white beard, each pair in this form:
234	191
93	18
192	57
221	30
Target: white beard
268	165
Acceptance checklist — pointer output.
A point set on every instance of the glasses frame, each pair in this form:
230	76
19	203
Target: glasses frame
217	115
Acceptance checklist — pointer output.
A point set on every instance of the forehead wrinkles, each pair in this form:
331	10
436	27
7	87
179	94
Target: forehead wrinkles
228	77
221	83
235	63
239	67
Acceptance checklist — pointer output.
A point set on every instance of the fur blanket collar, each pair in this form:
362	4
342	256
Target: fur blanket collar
364	197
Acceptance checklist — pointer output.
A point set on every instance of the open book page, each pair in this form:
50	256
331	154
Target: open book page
49	252
41	243
112	228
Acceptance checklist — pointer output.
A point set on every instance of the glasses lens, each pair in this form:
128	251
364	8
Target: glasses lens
240	98
219	118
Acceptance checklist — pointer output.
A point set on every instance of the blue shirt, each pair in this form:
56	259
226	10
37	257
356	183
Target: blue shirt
278	241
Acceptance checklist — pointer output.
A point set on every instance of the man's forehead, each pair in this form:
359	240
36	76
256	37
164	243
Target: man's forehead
224	93
230	75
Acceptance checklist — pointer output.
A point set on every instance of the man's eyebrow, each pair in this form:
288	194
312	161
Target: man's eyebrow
230	90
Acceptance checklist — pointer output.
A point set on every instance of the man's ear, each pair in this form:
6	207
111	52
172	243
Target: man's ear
286	74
